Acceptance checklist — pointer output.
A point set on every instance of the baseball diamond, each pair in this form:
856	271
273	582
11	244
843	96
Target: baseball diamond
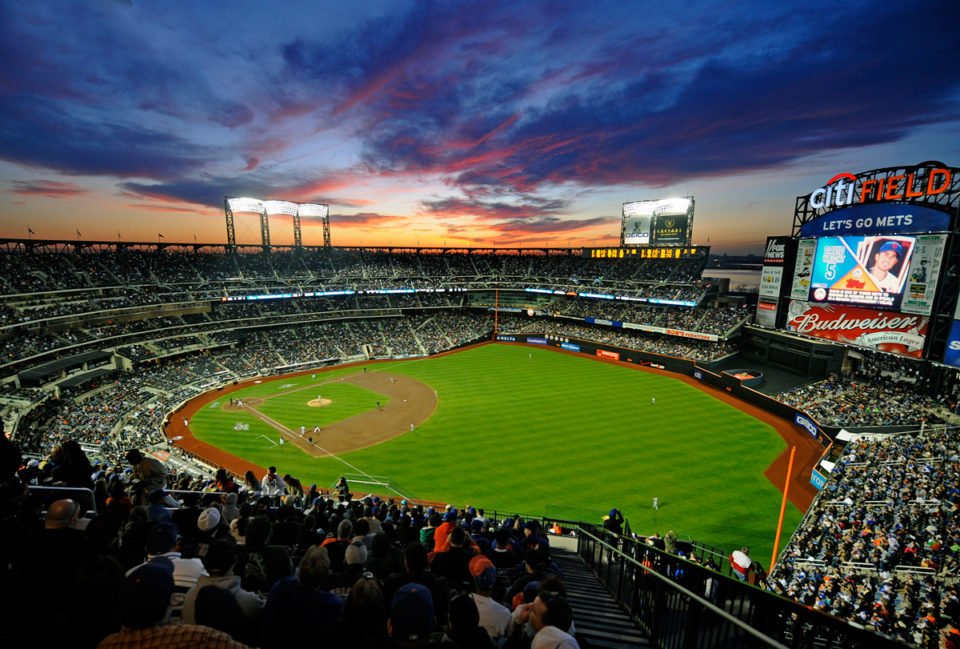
482	425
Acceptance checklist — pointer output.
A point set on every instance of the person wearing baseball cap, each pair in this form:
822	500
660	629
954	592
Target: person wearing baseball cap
884	260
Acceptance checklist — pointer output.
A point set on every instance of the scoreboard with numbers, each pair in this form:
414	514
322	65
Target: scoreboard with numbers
646	253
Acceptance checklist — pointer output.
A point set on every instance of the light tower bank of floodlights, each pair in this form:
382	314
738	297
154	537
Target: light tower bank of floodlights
268	208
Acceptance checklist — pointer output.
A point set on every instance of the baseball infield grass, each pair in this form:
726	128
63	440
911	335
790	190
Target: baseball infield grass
543	433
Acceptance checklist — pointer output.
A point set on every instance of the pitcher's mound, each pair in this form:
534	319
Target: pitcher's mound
319	403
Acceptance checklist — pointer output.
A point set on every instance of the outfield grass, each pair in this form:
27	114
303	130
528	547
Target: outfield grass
540	432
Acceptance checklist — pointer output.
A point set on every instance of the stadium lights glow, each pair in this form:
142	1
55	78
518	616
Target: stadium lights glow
280	207
314	210
245	204
660	207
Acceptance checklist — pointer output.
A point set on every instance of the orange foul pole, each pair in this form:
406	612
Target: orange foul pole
783	509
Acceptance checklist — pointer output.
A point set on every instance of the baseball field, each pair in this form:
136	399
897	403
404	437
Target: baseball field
522	429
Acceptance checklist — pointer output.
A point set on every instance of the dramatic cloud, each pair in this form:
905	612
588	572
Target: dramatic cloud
47	188
499	115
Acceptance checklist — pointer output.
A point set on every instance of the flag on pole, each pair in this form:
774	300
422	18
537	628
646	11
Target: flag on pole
118	234
159	235
78	233
30	231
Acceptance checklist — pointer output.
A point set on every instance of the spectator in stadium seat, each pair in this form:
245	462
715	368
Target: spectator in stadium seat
442	534
261	564
364	621
223	481
493	616
534	538
534	567
145	598
416	570
149	474
337	546
157	509
219	562
343	488
428	532
504	554
412	620
272	485
72	468
454	564
88	612
49	560
298	612
465	630
551	615
162	543
384	558
185	518
230	509
250	483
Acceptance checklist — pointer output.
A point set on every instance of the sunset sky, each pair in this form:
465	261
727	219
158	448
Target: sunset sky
459	123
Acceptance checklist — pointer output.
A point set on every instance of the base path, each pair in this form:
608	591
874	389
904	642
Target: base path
411	402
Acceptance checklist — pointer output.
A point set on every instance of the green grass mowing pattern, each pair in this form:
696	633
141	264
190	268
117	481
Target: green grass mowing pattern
532	430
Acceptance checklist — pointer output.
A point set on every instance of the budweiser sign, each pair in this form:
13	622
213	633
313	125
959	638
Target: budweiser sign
810	322
890	332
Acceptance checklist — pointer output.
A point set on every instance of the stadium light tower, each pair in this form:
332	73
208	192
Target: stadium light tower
312	210
288	208
233	205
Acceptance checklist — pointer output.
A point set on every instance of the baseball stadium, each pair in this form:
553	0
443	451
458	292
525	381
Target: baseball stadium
721	472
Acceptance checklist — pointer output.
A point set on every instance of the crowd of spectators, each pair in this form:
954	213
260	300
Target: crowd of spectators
128	407
51	285
663	344
261	562
881	544
719	321
883	391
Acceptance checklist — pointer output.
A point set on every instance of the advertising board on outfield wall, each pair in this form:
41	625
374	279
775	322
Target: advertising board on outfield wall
817	479
603	353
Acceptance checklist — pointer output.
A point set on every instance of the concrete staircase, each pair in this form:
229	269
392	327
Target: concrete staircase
598	617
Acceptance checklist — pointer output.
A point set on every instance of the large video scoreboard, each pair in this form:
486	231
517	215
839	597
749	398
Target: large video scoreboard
664	222
866	259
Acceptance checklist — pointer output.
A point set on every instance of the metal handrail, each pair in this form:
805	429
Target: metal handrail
678	603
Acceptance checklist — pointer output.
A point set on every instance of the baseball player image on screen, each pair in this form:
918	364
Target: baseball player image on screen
885	261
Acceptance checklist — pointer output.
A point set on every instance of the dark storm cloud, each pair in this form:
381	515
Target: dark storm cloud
38	134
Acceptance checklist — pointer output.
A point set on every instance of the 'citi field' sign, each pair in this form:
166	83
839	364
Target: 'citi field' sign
917	184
